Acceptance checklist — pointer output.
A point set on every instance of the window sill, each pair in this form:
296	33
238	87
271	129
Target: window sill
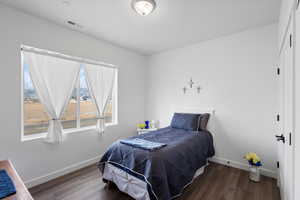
33	137
44	135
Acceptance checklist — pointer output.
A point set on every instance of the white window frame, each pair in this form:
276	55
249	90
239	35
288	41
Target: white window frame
77	129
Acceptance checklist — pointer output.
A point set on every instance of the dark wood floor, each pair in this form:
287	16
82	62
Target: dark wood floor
217	183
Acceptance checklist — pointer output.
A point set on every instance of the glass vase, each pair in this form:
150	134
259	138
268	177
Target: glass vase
254	173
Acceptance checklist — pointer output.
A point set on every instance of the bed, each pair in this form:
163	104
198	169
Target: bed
160	174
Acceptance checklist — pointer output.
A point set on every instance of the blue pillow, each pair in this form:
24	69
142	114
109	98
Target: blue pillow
185	121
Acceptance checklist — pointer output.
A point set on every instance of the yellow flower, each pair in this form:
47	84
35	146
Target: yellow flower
248	157
255	160
141	126
252	156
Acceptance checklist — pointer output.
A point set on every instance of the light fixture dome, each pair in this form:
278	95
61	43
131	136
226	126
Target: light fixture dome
143	7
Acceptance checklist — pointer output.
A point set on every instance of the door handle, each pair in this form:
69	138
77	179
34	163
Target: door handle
280	138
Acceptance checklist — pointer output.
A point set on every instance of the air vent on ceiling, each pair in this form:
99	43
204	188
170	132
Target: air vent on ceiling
65	2
74	24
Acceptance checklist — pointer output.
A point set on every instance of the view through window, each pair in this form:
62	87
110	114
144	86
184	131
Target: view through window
80	112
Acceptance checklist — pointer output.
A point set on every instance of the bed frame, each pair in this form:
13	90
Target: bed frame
135	187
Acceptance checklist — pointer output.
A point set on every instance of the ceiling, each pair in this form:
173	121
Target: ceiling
174	23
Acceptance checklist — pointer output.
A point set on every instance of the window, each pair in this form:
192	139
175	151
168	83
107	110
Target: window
85	109
81	111
35	117
88	110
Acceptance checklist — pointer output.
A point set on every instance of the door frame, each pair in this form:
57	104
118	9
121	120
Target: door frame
287	110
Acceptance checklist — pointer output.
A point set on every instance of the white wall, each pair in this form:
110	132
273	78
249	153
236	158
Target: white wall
237	74
36	158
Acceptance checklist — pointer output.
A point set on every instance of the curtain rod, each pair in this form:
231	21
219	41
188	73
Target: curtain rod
63	56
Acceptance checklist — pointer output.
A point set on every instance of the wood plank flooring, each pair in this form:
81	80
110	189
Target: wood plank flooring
217	183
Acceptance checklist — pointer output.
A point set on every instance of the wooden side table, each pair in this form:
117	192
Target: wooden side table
22	192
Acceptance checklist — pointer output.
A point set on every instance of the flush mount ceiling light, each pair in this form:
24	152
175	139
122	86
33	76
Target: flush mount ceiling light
143	7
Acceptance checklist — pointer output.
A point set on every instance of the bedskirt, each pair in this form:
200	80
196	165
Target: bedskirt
131	185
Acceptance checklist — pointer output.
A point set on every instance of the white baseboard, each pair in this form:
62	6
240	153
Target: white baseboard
239	165
43	179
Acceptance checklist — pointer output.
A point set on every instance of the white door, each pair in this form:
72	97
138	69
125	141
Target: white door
286	148
281	145
297	107
289	112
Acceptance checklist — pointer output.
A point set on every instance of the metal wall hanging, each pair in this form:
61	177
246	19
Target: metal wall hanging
191	84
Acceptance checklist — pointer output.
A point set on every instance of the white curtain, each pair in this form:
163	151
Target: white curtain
54	80
100	82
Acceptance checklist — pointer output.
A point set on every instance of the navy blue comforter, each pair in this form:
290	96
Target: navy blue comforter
169	169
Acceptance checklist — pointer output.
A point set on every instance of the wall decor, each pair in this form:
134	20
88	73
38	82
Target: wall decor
198	89
184	89
191	84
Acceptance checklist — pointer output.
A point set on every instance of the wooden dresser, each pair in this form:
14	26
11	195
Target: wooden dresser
22	192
